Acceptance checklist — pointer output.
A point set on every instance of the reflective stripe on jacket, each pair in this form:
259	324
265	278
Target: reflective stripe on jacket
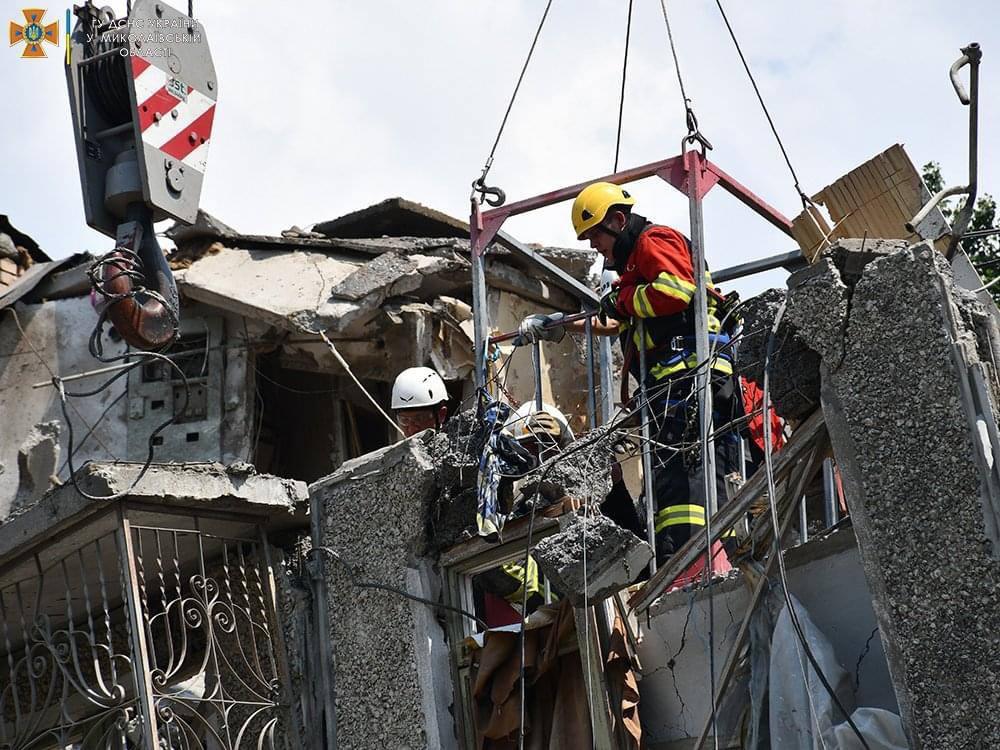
658	286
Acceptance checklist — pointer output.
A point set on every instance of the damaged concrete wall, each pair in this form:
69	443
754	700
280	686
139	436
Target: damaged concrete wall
124	415
393	680
903	376
58	331
825	575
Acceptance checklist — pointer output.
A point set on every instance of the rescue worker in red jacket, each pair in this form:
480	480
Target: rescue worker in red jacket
657	284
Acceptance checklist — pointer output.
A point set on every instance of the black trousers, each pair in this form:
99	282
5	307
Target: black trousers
678	468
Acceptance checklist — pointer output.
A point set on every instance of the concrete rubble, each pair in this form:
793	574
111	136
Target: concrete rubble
903	351
591	557
794	377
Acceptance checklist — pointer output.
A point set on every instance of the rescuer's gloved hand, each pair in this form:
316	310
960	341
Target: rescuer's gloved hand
540	328
609	307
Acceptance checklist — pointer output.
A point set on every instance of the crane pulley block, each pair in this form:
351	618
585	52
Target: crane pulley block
142	94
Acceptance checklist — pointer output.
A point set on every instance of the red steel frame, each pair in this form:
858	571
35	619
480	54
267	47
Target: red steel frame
676	170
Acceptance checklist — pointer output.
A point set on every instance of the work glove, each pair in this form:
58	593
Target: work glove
609	307
534	328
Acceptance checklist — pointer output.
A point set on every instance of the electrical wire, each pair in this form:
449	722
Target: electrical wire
772	502
746	66
93	427
350	372
356	570
621	98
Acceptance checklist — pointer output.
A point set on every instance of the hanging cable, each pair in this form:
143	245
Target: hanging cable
347	368
692	121
479	186
795	178
621	99
772	502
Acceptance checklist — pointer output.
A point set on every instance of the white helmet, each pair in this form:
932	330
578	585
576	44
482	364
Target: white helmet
520	424
418	387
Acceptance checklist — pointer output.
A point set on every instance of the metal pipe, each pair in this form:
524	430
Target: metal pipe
912	224
536	361
971	55
792	261
480	319
588	329
607	381
647	450
327	668
566	319
803	521
703	377
831	505
100	135
694	162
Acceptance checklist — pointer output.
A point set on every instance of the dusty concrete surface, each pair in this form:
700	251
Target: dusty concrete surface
591	558
37	464
914	471
794	379
193	486
817	308
375	511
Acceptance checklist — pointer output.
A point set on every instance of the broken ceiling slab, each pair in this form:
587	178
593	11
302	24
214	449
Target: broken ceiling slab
591	557
268	286
876	199
394	217
209	486
393	274
205	226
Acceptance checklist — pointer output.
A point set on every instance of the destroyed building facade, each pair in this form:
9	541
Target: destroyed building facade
282	503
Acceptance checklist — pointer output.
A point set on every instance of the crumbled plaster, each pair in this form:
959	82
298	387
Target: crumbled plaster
37	463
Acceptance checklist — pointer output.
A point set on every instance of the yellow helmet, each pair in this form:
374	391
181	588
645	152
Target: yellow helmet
593	202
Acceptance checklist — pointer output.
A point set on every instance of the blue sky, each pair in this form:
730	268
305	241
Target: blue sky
325	107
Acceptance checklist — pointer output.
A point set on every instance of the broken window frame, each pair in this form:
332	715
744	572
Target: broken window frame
459	565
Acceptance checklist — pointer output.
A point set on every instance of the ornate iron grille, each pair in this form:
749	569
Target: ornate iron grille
161	634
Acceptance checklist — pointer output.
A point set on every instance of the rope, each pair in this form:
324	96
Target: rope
795	178
621	98
350	372
513	96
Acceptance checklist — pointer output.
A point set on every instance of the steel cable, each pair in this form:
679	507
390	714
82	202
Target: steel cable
513	96
805	198
621	98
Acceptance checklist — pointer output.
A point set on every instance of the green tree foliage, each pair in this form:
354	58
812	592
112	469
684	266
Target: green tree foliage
984	252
